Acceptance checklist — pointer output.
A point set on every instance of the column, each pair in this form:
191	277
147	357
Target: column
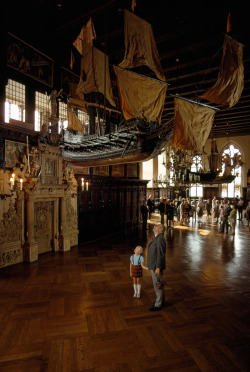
30	246
64	239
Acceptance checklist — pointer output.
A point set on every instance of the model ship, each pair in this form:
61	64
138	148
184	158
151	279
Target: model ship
139	135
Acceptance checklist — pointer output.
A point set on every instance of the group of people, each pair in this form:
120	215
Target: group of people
222	211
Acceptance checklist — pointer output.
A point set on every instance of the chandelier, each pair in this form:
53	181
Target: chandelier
179	176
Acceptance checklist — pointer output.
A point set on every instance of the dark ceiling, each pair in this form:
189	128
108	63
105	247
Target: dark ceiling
189	36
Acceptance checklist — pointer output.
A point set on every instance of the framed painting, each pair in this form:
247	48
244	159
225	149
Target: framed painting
29	61
14	153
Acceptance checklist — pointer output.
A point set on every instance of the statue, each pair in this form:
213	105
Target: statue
53	101
35	166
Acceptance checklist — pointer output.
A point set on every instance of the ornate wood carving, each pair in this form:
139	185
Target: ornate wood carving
10	226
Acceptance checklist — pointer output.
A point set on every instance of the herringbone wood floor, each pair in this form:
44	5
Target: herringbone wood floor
75	312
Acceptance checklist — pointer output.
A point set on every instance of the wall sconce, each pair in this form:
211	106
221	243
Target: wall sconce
12	182
13	185
84	185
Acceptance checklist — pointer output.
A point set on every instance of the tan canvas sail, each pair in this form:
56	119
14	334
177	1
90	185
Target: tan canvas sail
73	122
140	46
230	83
140	97
92	79
192	125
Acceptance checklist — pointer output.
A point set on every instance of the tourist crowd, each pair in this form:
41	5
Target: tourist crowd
223	212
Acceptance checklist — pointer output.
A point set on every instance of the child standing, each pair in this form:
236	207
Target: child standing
136	266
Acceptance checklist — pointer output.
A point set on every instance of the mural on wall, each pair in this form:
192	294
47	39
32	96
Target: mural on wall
29	61
15	152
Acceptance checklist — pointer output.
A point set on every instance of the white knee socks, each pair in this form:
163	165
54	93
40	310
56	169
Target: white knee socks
137	290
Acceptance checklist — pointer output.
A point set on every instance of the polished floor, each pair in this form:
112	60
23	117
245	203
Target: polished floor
75	311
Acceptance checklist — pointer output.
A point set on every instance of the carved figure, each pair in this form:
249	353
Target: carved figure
35	166
53	100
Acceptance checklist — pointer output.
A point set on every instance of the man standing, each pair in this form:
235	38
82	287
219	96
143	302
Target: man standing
226	212
161	208
156	263
150	205
178	209
144	213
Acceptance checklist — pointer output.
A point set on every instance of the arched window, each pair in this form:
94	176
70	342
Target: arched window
196	190
231	157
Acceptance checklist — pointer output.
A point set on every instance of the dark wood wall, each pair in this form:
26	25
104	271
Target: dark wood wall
109	205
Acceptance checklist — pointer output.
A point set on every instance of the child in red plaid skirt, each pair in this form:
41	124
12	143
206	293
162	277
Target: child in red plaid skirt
136	266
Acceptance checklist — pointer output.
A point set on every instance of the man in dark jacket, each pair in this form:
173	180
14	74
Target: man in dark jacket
226	213
144	213
162	208
156	263
150	205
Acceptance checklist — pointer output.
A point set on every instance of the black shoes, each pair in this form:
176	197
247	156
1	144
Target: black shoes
154	308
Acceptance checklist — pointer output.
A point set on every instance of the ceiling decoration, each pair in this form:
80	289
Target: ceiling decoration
189	38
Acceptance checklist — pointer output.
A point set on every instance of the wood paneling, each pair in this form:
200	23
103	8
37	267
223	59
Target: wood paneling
109	205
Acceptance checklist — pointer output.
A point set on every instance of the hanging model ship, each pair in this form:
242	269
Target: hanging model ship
140	135
193	119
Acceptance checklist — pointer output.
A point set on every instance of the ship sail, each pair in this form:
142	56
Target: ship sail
230	83
192	124
95	75
73	122
140	97
140	45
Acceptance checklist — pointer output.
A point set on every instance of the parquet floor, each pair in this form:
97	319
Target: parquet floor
75	312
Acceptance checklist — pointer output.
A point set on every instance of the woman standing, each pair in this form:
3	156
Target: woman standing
232	219
200	208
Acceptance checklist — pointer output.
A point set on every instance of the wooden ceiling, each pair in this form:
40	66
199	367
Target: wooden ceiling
189	36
